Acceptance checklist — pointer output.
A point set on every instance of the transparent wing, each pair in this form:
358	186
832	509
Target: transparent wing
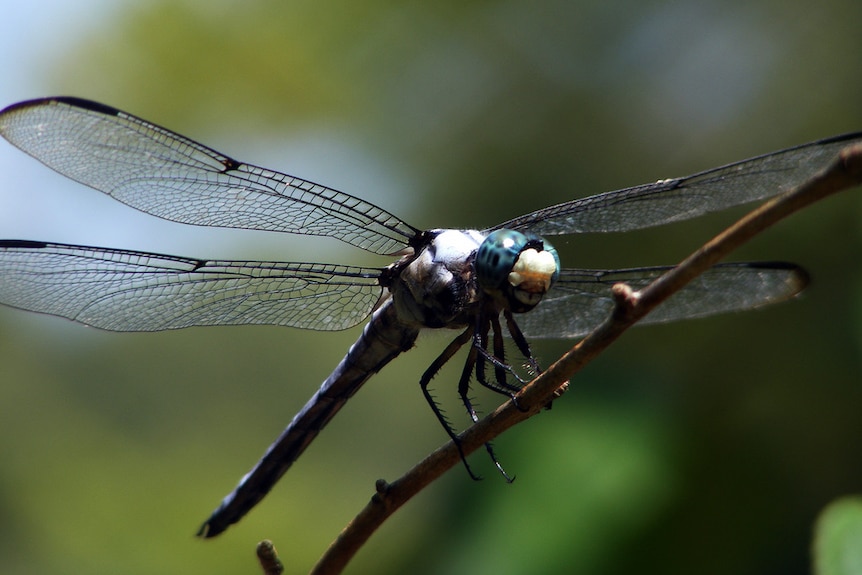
137	291
173	177
581	299
682	198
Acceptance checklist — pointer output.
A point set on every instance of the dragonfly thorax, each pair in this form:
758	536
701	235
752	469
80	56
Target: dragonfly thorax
517	268
437	288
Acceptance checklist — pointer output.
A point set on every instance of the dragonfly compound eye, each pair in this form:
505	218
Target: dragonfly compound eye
517	264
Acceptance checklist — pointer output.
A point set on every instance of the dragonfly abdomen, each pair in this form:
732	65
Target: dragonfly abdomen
383	339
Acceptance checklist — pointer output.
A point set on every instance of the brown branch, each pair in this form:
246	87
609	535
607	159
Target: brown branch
844	173
268	558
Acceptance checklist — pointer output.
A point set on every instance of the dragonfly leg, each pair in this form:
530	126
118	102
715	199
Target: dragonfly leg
522	343
497	359
501	384
463	388
480	340
500	353
506	387
523	346
429	374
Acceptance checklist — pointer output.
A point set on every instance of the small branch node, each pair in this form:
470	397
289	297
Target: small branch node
851	158
625	298
381	487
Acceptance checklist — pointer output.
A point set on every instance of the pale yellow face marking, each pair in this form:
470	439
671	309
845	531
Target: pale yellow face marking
533	271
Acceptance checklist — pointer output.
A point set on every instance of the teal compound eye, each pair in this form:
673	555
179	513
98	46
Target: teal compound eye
516	264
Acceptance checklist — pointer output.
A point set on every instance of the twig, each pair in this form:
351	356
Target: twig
845	172
268	558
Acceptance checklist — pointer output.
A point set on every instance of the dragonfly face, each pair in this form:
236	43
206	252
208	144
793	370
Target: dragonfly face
517	267
449	279
470	280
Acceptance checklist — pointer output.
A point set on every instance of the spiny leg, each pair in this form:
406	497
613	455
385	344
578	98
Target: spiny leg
499	352
480	340
500	372
464	381
501	368
489	357
429	374
521	342
523	346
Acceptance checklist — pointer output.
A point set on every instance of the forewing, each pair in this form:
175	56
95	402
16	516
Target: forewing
123	290
172	177
678	199
581	299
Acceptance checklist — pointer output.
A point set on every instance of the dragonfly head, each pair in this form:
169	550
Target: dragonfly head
520	268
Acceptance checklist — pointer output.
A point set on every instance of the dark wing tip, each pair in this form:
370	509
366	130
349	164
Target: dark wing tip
29	244
73	101
24	104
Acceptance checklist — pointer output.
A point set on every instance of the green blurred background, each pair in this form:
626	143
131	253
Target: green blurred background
704	447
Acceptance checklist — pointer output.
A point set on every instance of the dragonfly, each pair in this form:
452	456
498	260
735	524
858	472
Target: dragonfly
495	286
